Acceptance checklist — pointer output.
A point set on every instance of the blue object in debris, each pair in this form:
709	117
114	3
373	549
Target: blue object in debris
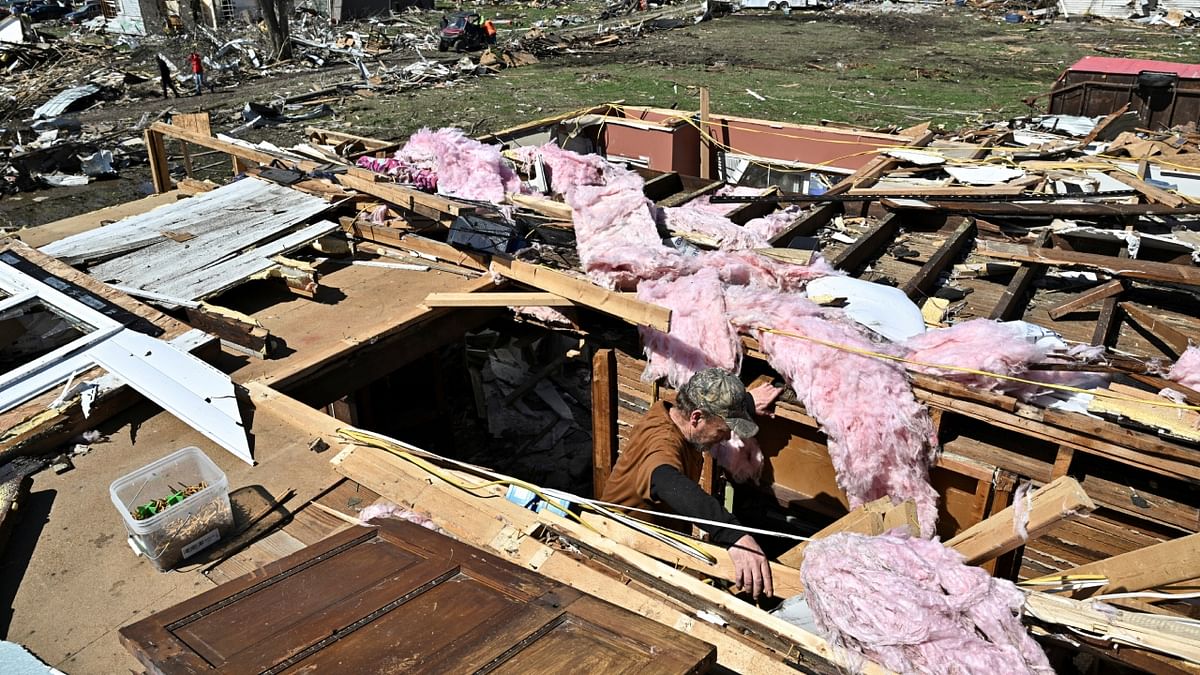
527	499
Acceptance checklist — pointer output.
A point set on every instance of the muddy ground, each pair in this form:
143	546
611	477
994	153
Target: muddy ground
872	65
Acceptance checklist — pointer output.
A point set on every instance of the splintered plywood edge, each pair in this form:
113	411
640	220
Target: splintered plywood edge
584	292
1148	411
1058	500
1154	566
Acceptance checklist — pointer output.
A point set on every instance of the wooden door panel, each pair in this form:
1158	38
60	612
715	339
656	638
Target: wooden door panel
296	605
571	647
398	598
454	623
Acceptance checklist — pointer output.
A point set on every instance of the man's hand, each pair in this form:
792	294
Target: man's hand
753	572
764	397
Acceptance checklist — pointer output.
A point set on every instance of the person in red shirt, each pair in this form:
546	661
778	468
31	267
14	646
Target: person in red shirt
197	70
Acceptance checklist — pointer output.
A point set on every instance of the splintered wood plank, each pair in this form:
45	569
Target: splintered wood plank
604	418
1061	499
1175	341
1086	298
786	578
586	293
1175	422
1125	268
1154	566
866	519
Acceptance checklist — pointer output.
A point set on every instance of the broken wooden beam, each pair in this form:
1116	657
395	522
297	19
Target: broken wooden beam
784	578
925	280
807	224
604	418
1058	500
1176	343
1086	298
544	206
1143	569
1116	626
1152	193
1012	303
506	299
584	292
1121	267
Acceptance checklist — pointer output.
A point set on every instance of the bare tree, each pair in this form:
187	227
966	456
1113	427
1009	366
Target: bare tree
276	14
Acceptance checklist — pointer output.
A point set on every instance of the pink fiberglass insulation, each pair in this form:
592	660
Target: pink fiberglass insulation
881	440
740	457
1186	370
748	268
913	606
700	336
979	344
1022	501
464	167
385	509
567	170
546	314
728	235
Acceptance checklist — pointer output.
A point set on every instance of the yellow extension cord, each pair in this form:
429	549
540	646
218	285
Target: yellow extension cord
1102	393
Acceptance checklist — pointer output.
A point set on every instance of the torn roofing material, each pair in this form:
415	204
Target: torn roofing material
65	101
249	205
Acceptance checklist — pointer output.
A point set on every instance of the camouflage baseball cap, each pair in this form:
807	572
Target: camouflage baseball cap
719	393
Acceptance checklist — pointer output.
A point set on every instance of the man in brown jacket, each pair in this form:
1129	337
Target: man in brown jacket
659	468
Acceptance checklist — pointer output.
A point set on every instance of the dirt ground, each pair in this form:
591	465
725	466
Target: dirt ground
869	64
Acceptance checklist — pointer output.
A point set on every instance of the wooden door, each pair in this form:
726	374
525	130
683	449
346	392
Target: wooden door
400	598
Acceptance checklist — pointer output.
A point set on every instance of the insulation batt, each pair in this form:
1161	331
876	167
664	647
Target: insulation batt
980	344
1186	370
913	606
464	167
700	336
881	440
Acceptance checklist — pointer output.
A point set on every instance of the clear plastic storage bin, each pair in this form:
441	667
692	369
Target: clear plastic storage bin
183	529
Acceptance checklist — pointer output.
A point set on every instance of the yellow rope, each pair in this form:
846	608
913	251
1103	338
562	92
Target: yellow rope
1102	393
383	443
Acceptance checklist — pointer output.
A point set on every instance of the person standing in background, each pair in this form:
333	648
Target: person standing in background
164	74
197	70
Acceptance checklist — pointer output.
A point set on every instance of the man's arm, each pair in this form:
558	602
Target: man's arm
686	498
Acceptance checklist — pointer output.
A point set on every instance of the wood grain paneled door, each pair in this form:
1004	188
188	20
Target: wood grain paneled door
398	598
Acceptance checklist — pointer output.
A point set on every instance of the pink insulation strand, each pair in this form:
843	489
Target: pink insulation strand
740	457
913	606
463	167
700	336
881	440
386	509
1186	370
1022	500
698	220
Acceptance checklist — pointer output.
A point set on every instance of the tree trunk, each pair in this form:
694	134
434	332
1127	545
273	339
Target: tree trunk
276	14
284	7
